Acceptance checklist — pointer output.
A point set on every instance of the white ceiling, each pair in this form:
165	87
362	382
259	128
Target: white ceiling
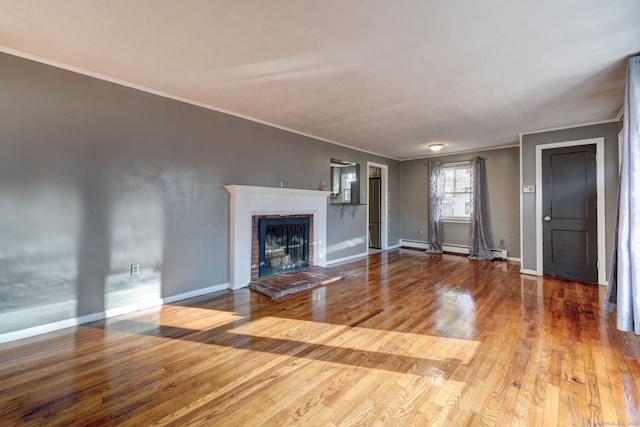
388	77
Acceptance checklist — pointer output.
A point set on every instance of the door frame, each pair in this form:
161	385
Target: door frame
384	205
600	197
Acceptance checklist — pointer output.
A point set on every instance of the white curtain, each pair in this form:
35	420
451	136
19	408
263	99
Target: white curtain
436	187
478	247
623	295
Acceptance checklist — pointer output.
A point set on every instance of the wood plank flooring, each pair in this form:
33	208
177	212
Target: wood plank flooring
406	339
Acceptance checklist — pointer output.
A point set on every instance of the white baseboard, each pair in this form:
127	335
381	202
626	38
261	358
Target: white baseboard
76	321
415	244
348	258
131	308
456	249
196	293
49	327
529	272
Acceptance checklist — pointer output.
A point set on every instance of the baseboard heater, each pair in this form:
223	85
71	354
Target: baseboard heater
456	249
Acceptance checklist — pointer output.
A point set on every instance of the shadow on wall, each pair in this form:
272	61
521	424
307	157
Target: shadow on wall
38	247
66	245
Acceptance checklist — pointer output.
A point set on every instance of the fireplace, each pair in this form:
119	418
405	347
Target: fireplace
248	202
283	244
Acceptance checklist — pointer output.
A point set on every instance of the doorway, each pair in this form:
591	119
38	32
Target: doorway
569	209
378	207
570	222
375	193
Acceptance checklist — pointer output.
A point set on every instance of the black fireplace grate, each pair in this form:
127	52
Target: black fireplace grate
284	244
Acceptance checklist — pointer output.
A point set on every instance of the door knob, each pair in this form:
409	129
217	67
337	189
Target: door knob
547	218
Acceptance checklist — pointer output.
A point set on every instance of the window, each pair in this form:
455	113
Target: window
347	180
456	196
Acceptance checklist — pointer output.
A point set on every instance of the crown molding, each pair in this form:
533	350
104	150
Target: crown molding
114	80
580	125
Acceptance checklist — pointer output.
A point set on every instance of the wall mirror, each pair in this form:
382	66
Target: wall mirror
345	182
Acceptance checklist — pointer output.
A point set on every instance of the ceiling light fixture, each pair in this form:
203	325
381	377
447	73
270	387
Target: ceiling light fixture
436	147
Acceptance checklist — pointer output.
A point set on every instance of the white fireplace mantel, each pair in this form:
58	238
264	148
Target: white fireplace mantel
247	201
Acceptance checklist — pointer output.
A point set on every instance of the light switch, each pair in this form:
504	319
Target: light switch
528	188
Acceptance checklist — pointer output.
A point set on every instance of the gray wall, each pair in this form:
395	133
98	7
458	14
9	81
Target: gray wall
96	176
529	142
503	201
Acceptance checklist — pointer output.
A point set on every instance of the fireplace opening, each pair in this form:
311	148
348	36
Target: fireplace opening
284	244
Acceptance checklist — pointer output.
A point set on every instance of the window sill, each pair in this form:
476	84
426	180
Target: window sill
456	220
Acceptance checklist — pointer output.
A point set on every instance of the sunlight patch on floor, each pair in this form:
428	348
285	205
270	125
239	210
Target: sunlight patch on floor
199	318
363	339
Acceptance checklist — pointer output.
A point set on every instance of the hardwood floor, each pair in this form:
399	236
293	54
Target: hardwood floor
406	339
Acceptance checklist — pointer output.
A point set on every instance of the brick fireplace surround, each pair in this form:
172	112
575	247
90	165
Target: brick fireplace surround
247	202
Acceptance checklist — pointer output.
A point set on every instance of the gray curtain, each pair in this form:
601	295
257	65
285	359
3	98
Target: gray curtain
623	295
478	247
436	187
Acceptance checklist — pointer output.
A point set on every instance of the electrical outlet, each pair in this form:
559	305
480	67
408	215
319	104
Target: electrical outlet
135	269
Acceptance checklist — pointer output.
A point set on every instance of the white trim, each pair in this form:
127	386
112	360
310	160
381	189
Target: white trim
451	248
521	202
118	311
465	164
601	215
348	258
99	76
456	219
451	153
196	293
514	259
384	205
600	200
135	86
416	244
620	114
462	249
393	247
600	122
107	314
455	249
529	272
50	327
